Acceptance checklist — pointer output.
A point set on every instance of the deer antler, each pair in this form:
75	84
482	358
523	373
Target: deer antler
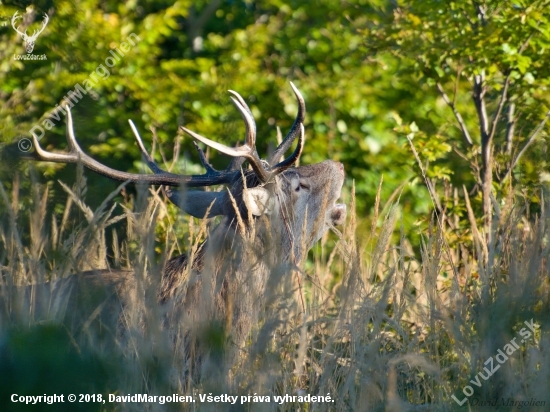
295	129
210	178
247	150
161	177
263	171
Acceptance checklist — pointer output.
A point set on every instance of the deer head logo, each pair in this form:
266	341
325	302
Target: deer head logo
29	40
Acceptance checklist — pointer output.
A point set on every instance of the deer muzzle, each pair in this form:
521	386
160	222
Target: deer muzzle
338	214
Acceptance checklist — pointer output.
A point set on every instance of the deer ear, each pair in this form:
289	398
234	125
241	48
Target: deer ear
259	200
196	203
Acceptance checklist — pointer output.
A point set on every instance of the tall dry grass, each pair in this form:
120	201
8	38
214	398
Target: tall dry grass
370	320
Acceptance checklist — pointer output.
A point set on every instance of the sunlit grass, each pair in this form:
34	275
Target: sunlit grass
369	321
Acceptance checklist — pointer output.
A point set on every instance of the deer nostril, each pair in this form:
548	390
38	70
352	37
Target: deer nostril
338	214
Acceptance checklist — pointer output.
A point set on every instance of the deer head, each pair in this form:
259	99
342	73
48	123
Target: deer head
29	40
272	212
299	202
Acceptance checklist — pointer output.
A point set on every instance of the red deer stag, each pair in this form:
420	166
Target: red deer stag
270	219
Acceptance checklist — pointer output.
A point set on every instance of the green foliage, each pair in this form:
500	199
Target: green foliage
44	359
443	46
179	72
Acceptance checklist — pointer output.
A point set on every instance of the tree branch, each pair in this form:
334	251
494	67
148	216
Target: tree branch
503	98
531	139
458	117
478	96
479	101
510	127
196	23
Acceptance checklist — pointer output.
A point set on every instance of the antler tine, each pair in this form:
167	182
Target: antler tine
254	159
241	101
247	151
241	151
279	136
237	162
52	157
204	161
153	165
211	173
294	131
94	165
249	123
150	162
75	152
288	162
69	133
210	169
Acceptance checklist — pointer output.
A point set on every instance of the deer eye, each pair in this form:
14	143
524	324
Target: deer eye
302	186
